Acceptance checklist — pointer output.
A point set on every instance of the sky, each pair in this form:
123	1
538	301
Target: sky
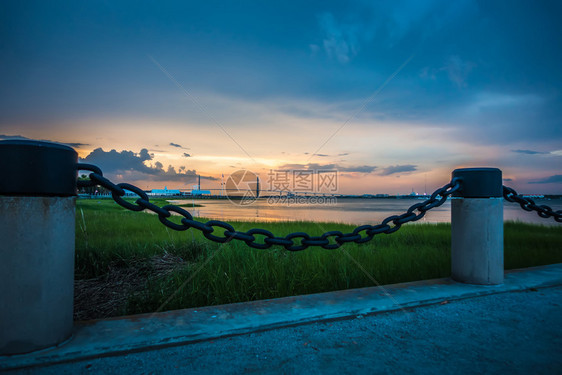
393	95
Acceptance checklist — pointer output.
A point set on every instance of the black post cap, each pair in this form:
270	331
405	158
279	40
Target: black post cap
479	183
34	168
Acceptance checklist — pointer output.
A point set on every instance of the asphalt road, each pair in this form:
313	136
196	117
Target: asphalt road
516	333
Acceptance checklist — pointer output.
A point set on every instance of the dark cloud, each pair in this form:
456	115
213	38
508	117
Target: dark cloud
76	144
315	166
326	155
132	165
358	168
186	155
118	162
398	169
529	152
508	179
20	137
556	179
178	146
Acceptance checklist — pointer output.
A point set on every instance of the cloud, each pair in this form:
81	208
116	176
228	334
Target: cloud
533	152
458	70
75	144
20	137
555	179
529	152
508	179
326	155
186	155
115	162
341	41
398	169
339	168
132	165
178	146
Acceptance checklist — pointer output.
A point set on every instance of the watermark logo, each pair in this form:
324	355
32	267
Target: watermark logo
242	187
302	187
283	186
315	181
293	200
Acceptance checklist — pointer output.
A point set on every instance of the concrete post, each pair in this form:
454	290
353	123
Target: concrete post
37	220
477	227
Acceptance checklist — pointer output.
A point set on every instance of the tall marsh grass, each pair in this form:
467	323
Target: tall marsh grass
210	273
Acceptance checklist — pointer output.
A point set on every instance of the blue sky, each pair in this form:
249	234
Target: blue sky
390	93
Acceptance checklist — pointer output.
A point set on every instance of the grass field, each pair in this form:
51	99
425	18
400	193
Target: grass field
128	263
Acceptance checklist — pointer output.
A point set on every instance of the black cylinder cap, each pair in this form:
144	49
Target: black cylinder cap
34	168
479	183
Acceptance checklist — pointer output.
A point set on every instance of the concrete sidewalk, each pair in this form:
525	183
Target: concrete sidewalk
436	325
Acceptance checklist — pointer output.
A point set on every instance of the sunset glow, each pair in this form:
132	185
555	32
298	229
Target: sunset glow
392	95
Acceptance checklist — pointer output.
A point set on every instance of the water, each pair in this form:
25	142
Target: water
345	210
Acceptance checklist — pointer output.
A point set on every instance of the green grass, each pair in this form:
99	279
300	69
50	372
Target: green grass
107	204
108	237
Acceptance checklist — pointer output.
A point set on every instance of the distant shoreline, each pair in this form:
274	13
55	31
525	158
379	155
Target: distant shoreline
199	197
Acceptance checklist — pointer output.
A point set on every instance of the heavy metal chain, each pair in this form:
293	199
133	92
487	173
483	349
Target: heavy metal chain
293	242
528	204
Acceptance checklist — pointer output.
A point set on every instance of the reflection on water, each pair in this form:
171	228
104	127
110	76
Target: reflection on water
344	210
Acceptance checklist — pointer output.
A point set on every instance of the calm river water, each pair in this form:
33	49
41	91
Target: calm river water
345	210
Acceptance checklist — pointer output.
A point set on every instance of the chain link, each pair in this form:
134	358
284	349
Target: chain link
293	242
528	204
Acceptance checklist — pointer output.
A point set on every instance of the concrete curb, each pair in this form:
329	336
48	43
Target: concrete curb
149	331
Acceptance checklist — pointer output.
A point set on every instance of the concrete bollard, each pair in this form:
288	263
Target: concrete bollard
477	227
37	221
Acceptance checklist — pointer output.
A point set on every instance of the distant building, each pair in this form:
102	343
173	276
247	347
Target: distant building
164	191
200	192
196	190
